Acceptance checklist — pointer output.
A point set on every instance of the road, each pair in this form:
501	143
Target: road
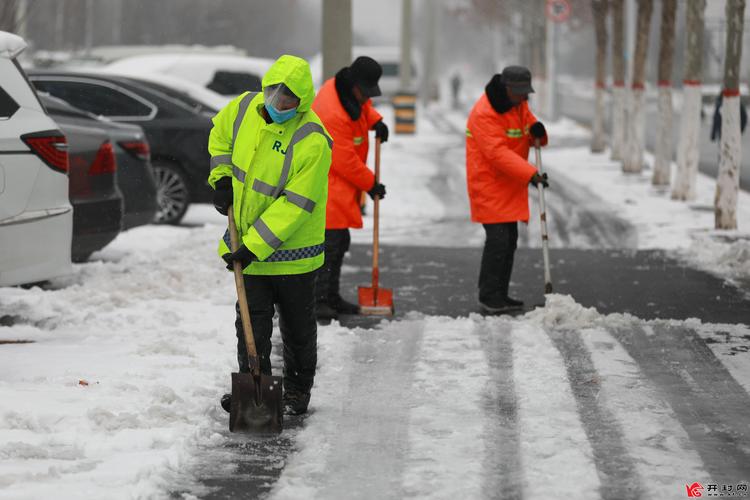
633	401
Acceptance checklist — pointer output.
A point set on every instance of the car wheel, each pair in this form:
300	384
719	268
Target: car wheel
173	195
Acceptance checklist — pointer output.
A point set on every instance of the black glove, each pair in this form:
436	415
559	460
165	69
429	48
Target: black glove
242	255
537	130
377	190
536	179
381	131
223	195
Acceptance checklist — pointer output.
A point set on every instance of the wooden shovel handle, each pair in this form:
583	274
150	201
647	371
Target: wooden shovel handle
376	223
239	282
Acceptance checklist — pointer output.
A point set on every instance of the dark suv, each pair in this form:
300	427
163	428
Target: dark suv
177	132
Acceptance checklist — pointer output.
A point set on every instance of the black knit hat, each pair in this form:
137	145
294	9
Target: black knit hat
366	72
517	79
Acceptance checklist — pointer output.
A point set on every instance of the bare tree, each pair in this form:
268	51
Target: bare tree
599	8
663	159
618	79
633	160
688	149
728	182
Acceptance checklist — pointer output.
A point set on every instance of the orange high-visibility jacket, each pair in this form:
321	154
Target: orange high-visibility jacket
497	170
349	176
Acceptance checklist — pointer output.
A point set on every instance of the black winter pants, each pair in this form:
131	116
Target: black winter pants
294	296
329	276
497	260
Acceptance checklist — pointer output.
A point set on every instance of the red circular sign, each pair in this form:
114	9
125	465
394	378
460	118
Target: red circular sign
558	10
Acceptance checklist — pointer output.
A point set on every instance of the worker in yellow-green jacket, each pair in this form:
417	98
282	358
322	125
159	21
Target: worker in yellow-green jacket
270	157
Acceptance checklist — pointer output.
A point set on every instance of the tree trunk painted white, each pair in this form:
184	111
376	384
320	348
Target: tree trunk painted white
728	181
599	8
633	157
633	160
688	149
618	79
663	158
598	143
618	122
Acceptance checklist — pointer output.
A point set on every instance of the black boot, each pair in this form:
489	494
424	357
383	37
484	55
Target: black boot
497	306
324	312
514	302
344	307
295	402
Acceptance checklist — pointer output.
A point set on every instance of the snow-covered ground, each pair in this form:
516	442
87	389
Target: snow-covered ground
117	396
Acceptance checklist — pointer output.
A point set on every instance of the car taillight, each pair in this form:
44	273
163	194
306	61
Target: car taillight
104	163
139	149
51	147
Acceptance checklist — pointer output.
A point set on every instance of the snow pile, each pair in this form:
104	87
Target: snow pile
121	384
561	312
722	252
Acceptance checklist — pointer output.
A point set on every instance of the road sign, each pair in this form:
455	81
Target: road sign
558	10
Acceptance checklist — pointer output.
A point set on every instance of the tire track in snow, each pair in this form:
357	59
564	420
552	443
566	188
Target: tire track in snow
665	457
501	474
616	468
447	418
358	448
555	464
709	403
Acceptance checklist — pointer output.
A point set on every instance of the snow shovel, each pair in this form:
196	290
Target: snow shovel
375	301
543	216
256	398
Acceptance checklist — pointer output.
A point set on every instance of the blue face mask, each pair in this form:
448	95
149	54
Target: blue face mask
280	116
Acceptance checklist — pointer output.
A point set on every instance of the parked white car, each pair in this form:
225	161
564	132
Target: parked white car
224	74
36	218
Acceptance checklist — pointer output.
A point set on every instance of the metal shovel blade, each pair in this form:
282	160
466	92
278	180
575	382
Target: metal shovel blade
256	404
375	301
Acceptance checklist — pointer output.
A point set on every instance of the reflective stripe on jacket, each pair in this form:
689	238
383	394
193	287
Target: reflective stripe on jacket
349	174
279	175
497	170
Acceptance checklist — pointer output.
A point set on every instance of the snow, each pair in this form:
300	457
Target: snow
11	45
117	396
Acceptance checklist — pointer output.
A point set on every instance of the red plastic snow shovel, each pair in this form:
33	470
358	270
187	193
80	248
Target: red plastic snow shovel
543	215
374	300
256	398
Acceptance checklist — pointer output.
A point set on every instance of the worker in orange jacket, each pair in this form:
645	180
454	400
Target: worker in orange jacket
499	133
344	106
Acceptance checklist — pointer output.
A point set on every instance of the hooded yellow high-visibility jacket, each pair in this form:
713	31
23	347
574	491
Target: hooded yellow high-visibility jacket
279	174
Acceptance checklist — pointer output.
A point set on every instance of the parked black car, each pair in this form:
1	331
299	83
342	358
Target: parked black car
93	191
134	175
177	133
